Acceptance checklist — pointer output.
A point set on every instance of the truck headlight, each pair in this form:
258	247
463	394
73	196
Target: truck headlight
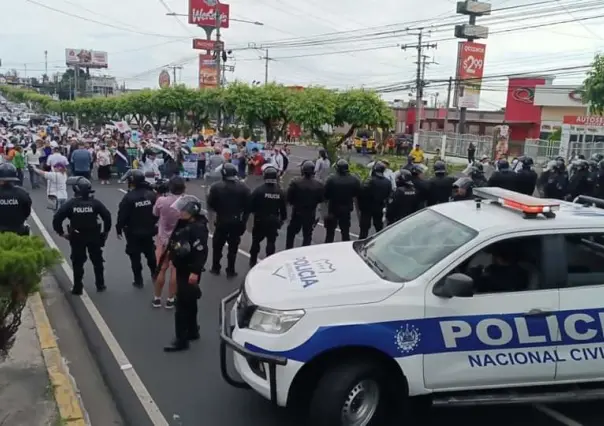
274	322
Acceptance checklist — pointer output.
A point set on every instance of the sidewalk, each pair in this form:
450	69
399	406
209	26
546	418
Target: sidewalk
35	386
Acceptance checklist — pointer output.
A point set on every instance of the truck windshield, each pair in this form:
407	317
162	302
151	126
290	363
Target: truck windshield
409	248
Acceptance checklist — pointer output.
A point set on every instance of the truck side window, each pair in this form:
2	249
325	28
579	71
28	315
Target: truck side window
585	257
506	266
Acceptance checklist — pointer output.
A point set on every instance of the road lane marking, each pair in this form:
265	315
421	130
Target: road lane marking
143	395
556	415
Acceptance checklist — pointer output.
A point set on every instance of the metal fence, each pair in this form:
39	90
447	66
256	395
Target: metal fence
586	148
457	144
541	150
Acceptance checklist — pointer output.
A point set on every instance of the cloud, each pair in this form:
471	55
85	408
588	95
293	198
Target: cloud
141	40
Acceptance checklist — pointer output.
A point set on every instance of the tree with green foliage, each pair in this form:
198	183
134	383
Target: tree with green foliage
22	263
593	86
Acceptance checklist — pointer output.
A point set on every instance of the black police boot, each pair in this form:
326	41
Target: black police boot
77	290
138	281
215	270
230	273
194	335
101	287
177	346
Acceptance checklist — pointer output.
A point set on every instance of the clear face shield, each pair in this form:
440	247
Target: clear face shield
187	204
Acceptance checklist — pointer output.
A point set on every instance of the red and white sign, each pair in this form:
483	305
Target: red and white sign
203	13
204	44
470	70
584	120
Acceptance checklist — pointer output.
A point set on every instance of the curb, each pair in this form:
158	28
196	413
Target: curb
65	393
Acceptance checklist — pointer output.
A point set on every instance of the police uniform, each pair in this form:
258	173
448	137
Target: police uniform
229	200
374	194
15	202
135	218
440	186
578	184
463	189
504	177
270	211
304	195
526	178
84	232
554	181
188	251
341	191
405	200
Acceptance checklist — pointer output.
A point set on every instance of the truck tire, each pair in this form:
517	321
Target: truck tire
356	393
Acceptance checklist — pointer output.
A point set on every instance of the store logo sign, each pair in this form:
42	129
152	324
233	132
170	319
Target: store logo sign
524	94
576	95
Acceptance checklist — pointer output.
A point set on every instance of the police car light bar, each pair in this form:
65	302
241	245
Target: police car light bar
526	204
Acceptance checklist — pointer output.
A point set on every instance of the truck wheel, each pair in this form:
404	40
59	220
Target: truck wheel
352	394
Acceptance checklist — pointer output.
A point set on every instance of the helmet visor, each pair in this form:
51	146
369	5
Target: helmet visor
184	202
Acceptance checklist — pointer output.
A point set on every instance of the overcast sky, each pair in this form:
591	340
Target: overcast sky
141	40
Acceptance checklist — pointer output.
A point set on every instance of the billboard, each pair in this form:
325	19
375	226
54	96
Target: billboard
208	73
164	79
85	58
203	13
470	63
204	44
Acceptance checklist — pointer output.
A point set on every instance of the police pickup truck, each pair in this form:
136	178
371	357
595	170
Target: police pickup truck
494	301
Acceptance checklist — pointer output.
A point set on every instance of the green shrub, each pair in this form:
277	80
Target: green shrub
22	263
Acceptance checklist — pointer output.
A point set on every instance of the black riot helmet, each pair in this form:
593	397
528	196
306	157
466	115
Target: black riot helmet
597	157
342	167
476	172
417	169
463	183
503	164
307	168
229	172
136	178
560	165
8	173
270	174
378	169
527	162
403	178
440	168
189	204
82	188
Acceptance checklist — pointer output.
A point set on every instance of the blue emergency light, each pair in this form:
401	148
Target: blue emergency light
525	204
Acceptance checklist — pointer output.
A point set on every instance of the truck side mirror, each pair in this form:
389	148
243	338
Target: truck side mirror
455	285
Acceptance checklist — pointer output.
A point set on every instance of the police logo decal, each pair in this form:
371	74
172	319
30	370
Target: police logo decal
407	339
304	271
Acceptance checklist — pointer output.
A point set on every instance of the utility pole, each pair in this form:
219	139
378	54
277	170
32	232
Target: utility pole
46	64
218	53
419	82
266	61
443	145
174	68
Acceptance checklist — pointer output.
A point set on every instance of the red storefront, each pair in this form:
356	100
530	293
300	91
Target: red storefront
521	114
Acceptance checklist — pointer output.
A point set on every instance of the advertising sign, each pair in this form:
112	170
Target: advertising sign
584	120
85	58
204	44
164	79
208	73
470	71
203	13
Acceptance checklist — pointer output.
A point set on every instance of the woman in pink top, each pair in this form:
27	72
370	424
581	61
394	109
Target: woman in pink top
168	218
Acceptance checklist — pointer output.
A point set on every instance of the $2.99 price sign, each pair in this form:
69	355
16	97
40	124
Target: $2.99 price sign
471	60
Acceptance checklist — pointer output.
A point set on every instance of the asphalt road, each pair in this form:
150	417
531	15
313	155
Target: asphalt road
187	387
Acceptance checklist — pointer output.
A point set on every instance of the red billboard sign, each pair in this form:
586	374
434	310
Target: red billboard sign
203	13
471	60
204	44
584	120
208	73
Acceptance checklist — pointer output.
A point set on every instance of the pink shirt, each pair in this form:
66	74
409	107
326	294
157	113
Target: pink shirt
168	217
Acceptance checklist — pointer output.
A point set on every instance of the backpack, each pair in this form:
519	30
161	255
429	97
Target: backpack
285	162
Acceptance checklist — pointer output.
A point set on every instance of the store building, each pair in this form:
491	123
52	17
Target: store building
556	102
102	86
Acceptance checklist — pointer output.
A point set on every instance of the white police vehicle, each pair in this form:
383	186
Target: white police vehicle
466	302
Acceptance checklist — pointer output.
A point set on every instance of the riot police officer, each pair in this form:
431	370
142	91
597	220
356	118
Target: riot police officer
462	189
341	193
421	185
229	201
503	177
188	251
578	183
135	218
440	186
304	195
405	200
375	192
526	177
15	203
554	181
269	207
477	175
84	233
